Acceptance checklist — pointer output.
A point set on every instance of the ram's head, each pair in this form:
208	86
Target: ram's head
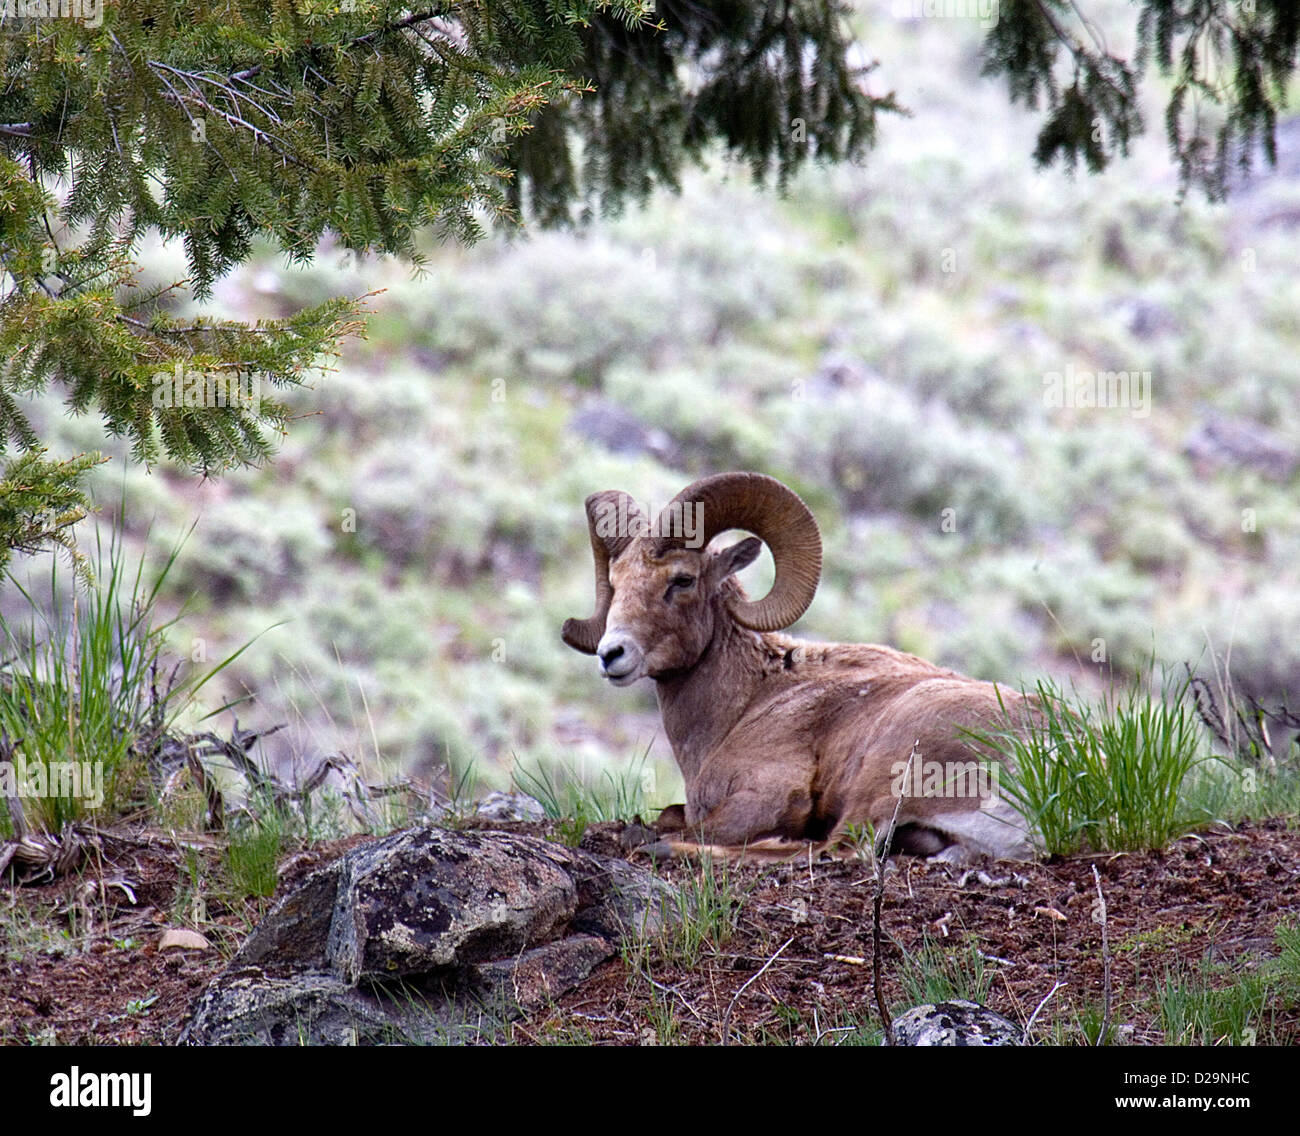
661	591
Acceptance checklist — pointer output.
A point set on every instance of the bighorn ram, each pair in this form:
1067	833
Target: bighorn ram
781	740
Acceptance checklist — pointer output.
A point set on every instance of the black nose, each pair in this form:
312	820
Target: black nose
609	656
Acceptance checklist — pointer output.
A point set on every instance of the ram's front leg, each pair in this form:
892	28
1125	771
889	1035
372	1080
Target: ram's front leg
763	811
671	820
760	813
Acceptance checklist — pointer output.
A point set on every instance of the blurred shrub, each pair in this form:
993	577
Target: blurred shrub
878	339
557	303
1082	603
365	406
253	548
993	641
455	511
1262	629
884	451
714	428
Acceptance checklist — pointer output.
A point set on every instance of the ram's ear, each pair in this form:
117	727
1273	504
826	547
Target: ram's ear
731	560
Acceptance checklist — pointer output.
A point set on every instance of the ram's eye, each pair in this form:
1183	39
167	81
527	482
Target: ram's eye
677	584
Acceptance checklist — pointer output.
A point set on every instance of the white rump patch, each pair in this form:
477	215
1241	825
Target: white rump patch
998	831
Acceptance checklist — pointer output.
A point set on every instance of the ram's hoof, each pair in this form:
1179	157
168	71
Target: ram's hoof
671	819
657	852
636	835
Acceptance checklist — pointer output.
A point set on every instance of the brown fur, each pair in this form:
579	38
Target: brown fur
780	740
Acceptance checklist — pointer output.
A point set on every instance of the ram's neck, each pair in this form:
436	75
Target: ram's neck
701	706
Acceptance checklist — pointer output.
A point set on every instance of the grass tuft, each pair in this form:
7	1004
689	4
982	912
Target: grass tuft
79	683
566	795
1107	777
253	851
938	974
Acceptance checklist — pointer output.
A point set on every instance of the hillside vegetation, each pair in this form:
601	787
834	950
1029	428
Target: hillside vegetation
879	339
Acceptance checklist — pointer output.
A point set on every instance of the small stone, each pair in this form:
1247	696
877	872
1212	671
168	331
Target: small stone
428	936
185	940
510	806
956	1022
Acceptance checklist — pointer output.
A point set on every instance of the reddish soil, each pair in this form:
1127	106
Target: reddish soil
79	960
1210	904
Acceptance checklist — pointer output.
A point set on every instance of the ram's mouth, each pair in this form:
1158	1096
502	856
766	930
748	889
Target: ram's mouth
623	678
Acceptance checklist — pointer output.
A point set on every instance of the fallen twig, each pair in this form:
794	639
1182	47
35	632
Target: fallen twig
881	861
726	1018
682	997
1099	916
1029	1025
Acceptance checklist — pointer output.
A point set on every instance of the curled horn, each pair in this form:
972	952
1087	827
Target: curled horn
613	519
776	515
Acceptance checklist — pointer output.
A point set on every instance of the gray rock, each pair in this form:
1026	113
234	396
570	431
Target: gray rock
619	432
957	1022
294	934
617	899
429	898
1220	441
427	935
510	806
536	978
254	1008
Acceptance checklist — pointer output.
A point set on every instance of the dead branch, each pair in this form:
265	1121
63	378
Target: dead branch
1099	916
880	863
726	1018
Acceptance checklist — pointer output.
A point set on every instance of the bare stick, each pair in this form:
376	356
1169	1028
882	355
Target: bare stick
876	981
13	801
682	997
214	819
726	1018
1029	1025
1099	916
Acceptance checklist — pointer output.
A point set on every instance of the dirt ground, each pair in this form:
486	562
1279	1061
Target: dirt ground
80	960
